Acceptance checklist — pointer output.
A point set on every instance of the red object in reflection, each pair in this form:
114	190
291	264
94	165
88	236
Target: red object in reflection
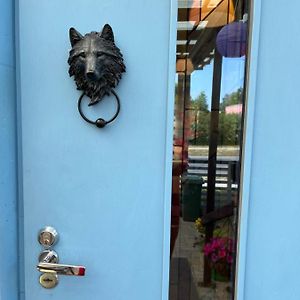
175	209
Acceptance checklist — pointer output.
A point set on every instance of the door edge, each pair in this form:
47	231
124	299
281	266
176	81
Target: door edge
169	149
247	148
8	158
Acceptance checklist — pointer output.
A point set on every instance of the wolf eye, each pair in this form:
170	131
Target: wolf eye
82	55
99	54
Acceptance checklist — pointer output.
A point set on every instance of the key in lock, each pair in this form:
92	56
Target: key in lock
48	237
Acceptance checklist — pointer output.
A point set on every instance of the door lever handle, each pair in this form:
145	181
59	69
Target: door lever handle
49	264
61	269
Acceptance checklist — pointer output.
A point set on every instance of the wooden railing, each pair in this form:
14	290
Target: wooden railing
226	176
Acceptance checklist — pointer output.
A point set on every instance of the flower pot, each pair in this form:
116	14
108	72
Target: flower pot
221	271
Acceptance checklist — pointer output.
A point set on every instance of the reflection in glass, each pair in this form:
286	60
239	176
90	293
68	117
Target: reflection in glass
208	121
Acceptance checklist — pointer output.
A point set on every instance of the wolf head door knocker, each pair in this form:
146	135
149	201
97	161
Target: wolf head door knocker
97	66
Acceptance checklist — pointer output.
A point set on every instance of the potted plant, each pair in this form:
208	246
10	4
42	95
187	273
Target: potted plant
220	251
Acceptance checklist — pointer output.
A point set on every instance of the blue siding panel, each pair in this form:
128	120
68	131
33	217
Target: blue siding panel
273	238
8	184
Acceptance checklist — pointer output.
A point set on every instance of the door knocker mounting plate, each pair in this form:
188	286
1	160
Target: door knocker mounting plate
97	65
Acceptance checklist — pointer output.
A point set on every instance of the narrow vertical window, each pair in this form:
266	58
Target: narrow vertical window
208	121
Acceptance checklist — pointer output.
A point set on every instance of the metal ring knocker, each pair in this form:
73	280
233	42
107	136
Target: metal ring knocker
100	123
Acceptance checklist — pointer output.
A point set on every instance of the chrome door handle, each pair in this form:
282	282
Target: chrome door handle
60	269
49	264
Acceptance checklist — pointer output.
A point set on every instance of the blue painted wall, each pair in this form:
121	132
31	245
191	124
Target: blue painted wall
273	240
271	233
8	207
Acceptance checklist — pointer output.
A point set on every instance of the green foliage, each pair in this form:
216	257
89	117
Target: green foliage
231	99
229	124
229	128
200	103
201	128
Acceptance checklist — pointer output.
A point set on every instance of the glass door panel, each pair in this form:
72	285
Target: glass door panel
208	121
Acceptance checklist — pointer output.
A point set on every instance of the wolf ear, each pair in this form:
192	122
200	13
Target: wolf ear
75	36
107	33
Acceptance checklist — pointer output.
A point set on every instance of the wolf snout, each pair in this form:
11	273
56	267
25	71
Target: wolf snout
91	75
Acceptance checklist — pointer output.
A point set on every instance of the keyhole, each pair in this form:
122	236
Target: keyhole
47	239
48	281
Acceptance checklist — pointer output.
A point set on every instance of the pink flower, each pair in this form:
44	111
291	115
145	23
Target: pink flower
215	243
222	253
207	249
219	248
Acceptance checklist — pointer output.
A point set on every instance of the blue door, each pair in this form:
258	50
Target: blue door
104	190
